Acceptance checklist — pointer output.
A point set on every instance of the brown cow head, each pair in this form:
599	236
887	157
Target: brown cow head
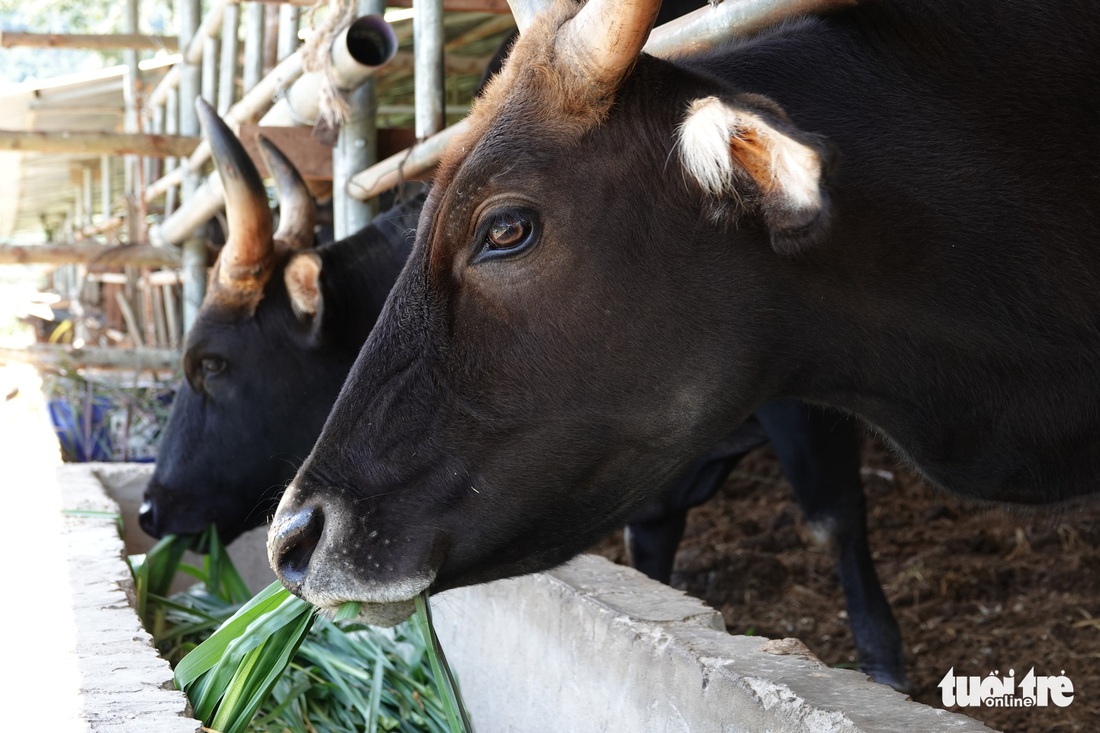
587	279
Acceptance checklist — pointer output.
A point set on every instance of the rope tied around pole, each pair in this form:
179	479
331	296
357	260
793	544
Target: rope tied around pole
317	57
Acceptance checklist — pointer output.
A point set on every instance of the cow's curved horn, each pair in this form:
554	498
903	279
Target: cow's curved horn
297	213
244	262
524	12
605	37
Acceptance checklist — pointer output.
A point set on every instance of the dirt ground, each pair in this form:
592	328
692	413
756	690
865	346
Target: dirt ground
974	588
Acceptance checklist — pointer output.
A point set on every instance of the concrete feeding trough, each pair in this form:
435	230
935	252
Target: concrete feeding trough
591	646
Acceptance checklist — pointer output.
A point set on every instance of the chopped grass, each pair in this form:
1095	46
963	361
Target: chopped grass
269	664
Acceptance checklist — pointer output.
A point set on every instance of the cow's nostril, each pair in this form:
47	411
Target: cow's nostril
297	538
147	518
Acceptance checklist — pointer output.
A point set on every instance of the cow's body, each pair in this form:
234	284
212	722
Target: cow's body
892	210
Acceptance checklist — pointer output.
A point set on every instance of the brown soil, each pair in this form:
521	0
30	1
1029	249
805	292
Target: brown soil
973	587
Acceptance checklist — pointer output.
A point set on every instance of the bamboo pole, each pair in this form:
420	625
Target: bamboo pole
253	45
57	253
92	356
251	107
428	74
98	143
158	278
227	84
130	319
98	42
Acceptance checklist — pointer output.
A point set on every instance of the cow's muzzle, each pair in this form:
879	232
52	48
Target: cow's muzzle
321	554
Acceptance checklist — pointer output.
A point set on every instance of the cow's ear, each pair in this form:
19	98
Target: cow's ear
748	156
303	284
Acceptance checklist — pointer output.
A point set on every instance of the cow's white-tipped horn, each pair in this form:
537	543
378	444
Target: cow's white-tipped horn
244	262
606	36
297	212
524	12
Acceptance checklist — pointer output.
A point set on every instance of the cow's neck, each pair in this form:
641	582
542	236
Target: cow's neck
358	276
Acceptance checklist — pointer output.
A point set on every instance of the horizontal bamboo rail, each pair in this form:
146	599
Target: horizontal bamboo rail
98	143
100	42
50	355
62	253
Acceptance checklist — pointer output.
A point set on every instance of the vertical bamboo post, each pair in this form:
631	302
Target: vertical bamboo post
428	51
356	149
132	124
231	19
193	259
289	17
88	191
171	127
105	186
253	44
171	316
210	69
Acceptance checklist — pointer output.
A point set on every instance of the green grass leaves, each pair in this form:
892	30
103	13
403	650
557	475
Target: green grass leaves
270	664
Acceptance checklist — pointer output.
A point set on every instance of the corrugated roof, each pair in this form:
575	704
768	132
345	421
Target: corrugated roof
33	185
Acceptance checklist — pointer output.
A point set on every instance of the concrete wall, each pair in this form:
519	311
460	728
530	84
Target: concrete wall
588	647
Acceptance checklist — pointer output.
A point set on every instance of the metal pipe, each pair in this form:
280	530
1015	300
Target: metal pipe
358	52
227	84
713	24
428	75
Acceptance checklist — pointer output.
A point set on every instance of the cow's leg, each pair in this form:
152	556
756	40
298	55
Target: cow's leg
820	455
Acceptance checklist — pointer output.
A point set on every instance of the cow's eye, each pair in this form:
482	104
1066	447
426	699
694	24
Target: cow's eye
507	233
212	365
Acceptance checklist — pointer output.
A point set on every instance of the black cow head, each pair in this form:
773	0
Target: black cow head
537	372
263	360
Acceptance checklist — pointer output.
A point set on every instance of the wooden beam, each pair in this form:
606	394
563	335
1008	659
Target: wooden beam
61	253
101	42
50	355
98	143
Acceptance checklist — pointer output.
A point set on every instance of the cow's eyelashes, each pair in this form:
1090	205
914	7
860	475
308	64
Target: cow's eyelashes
506	233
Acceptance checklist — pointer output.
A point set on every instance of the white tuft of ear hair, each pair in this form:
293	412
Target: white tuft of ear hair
716	139
303	284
